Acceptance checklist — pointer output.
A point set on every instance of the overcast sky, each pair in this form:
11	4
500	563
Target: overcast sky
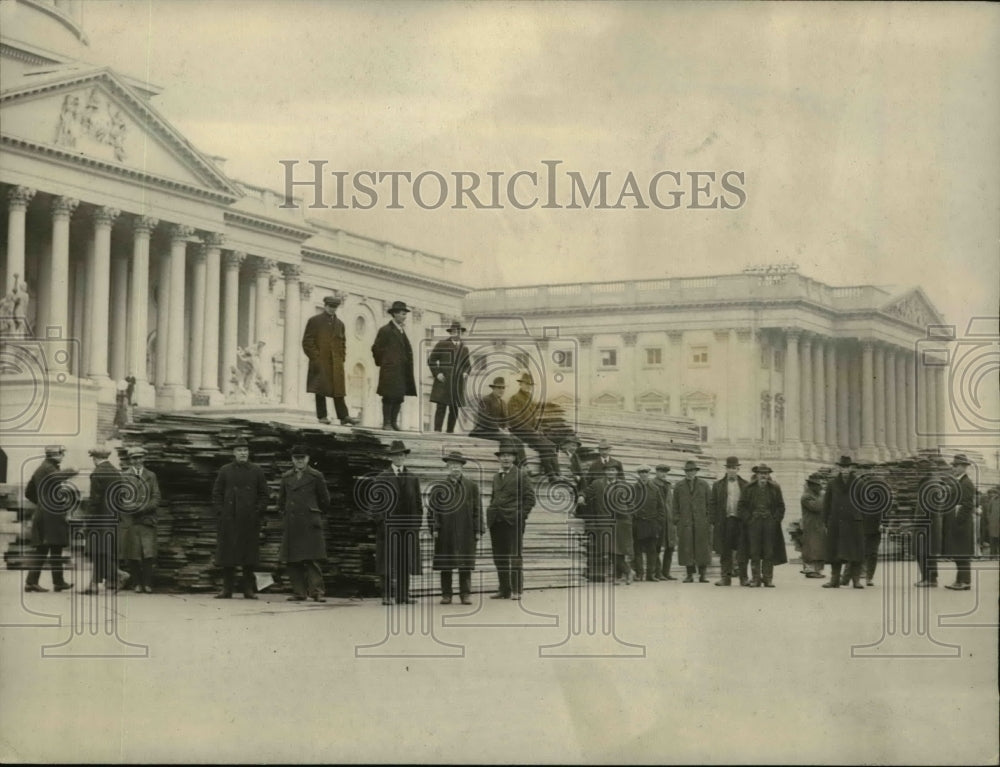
868	133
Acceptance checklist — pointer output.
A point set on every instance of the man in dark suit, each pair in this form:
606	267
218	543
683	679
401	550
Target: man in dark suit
845	533
455	519
138	523
762	507
571	445
959	526
102	521
303	498
669	540
728	531
603	460
449	364
525	421
49	526
512	501
393	356
399	512
930	515
324	342
492	420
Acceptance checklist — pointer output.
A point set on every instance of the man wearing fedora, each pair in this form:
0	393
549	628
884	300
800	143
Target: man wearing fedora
813	528
729	533
398	511
762	508
138	525
325	344
512	501
599	465
845	532
931	491
492	420
958	527
239	497
669	541
449	364
525	423
455	519
49	526
692	511
103	516
303	499
393	356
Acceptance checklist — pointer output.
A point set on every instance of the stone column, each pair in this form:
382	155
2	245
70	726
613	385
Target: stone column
878	381
58	319
585	369
262	297
628	370
18	198
843	399
119	317
174	394
208	388
138	300
890	401
868	415
806	392
930	385
98	302
819	397
196	333
674	369
162	316
854	357
830	379
941	402
305	312
912	406
293	335
230	314
791	386
902	436
733	420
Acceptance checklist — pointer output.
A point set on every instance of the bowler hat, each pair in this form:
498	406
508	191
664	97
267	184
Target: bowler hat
662	467
240	443
456	327
332	301
763	469
498	383
755	469
815	479
603	445
960	460
526	379
454	457
397	447
689	465
299	450
732	462
51	450
99	452
845	460
506	447
398	306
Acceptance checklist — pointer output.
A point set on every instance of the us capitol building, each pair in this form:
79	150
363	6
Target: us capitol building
127	252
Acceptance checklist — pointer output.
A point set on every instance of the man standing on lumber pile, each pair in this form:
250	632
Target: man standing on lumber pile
393	356
399	512
729	533
455	519
762	508
692	502
325	344
512	502
959	526
845	532
525	422
450	364
302	501
240	497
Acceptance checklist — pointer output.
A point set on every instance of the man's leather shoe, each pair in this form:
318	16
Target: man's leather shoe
702	579
768	585
926	584
35	587
466	601
318	598
857	585
249	596
688	579
324	420
959	586
62	587
224	595
831	585
295	598
350	421
724	581
498	595
669	578
870	582
446	600
387	427
138	589
89	590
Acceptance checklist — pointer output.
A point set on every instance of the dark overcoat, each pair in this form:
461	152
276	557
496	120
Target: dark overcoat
596	469
452	361
669	540
610	503
813	526
845	532
324	342
397	506
650	511
302	503
720	500
394	357
106	494
959	524
692	503
240	497
524	413
138	522
513	498
491	416
47	489
455	518
775	502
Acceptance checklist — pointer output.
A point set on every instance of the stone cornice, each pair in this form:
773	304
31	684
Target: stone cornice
297	234
365	267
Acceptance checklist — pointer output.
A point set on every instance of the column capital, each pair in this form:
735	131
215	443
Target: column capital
144	224
793	334
743	334
105	216
305	290
19	196
292	272
262	267
200	255
234	259
630	338
63	206
180	232
867	344
213	239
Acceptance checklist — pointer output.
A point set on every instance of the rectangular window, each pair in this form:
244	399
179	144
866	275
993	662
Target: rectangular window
654	356
563	359
699	357
703	433
609	358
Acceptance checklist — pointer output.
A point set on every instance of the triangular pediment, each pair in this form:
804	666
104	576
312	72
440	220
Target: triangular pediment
97	116
914	308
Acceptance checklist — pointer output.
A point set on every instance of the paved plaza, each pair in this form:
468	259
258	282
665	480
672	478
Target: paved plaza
691	674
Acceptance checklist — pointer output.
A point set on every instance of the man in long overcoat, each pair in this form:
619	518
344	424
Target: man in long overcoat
989	531
692	507
813	527
525	423
647	526
449	364
729	534
958	529
393	356
103	516
138	520
455	519
49	527
506	516
669	540
325	344
932	494
398	510
845	533
762	508
240	497
303	499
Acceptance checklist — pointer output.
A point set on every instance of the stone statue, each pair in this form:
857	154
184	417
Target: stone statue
14	312
247	384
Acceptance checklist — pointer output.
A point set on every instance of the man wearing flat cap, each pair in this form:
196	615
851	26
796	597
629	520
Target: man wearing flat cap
813	528
692	507
512	502
393	356
449	364
398	510
103	516
762	508
303	499
958	528
240	498
729	535
845	533
325	344
455	519
48	492
138	524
